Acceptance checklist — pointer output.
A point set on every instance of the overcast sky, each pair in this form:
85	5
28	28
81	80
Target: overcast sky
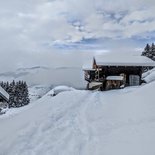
64	32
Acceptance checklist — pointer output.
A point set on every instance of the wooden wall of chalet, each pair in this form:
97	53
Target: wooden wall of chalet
117	70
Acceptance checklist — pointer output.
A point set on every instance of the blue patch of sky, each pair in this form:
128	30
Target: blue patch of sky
138	41
100	44
111	15
147	36
104	43
73	19
141	21
76	23
90	43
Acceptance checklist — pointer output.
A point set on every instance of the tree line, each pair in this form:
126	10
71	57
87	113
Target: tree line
149	51
18	91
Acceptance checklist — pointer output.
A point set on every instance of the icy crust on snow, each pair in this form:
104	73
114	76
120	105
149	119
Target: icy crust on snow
78	122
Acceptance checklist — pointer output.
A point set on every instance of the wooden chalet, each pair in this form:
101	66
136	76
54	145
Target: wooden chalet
116	72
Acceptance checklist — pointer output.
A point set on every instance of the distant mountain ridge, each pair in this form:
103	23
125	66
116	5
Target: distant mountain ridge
32	68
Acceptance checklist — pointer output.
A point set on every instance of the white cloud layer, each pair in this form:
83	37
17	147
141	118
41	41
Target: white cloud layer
38	25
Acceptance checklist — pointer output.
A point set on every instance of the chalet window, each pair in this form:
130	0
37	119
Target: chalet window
134	80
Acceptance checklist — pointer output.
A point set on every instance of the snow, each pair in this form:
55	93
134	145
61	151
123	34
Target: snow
59	89
89	69
93	84
129	60
37	91
149	76
3	107
4	93
82	122
120	78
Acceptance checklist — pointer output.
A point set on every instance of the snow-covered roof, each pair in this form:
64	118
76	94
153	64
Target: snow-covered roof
89	69
118	78
93	84
4	94
118	60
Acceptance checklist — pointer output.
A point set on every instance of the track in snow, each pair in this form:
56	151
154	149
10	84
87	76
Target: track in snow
81	123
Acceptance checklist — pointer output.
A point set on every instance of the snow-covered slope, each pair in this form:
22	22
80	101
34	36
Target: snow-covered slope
37	91
149	76
70	76
78	122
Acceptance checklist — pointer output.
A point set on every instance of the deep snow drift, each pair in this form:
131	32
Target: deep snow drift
78	122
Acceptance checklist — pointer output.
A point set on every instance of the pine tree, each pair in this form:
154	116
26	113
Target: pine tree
16	97
149	51
2	84
153	51
21	93
11	91
26	99
147	48
18	91
7	86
